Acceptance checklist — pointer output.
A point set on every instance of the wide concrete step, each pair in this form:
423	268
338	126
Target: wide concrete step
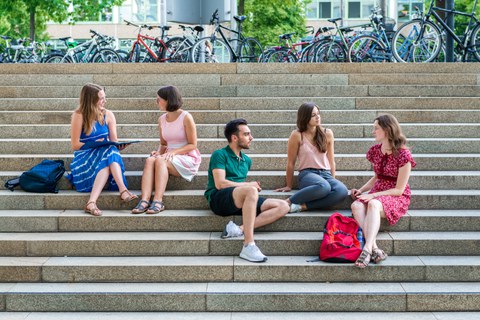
240	297
226	269
135	162
127	79
194	199
252	103
419	180
258	146
239	315
411	130
242	68
84	244
205	221
253	116
249	90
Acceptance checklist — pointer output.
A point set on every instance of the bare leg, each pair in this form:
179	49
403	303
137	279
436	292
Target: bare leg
246	198
163	169
359	211
372	223
98	184
272	210
148	178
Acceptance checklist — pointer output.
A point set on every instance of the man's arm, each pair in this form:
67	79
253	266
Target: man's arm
221	182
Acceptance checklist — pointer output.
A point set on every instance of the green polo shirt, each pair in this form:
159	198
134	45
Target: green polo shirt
236	168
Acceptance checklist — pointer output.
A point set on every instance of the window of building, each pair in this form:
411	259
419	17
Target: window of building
406	9
360	9
323	9
139	11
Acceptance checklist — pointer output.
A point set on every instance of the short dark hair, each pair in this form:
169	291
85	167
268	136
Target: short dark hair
232	128
172	96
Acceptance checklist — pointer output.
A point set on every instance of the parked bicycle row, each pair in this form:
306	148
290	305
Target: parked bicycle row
420	40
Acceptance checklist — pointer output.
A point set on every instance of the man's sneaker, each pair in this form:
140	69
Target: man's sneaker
231	231
251	253
295	208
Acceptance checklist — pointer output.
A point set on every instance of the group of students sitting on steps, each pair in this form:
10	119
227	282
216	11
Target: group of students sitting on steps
310	148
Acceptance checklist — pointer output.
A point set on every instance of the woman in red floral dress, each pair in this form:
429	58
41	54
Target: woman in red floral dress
388	190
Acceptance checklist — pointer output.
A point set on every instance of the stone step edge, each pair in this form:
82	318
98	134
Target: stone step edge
431	315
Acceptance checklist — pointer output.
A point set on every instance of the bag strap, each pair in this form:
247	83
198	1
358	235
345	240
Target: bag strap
12	183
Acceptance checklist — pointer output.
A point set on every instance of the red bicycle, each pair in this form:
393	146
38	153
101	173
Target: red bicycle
147	48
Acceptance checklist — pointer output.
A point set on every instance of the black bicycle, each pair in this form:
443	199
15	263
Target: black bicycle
221	49
420	40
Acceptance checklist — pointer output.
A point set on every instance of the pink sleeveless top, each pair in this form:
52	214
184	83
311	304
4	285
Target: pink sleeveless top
309	156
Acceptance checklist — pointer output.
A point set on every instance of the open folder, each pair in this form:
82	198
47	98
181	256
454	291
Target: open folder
98	144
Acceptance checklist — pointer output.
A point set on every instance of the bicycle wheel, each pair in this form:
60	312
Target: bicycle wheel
177	50
250	50
206	50
283	55
57	58
106	56
367	49
331	52
409	46
475	42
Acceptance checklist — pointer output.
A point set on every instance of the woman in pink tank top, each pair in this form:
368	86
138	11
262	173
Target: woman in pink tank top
177	154
312	146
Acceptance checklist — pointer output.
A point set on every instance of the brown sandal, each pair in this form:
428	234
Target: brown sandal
94	211
378	255
130	196
363	260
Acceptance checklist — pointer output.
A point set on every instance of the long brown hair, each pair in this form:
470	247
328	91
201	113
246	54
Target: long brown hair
88	107
392	129
304	115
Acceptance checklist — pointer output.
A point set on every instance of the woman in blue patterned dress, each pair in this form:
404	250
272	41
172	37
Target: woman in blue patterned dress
92	168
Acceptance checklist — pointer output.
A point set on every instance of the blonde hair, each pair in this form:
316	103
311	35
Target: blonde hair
88	107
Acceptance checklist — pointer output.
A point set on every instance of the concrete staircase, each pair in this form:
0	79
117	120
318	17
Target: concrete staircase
58	263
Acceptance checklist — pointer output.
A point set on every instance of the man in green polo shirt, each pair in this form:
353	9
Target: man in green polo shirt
228	193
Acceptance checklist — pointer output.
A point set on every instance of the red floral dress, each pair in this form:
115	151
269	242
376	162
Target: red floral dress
386	168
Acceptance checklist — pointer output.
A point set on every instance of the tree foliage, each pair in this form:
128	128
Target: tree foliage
22	18
267	19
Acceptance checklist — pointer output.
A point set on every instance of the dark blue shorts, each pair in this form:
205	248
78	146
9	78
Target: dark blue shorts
222	204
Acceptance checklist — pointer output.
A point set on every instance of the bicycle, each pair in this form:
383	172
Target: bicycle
147	48
373	47
421	40
94	50
213	49
335	49
179	48
16	51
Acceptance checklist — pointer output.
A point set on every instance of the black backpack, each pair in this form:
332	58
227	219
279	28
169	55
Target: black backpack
42	178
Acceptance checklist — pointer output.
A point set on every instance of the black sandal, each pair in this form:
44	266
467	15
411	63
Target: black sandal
141	207
363	260
156	207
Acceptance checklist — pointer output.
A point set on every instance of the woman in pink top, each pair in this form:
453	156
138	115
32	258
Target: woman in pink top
313	147
177	154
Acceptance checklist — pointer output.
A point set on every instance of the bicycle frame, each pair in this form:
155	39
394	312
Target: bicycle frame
89	45
235	53
432	11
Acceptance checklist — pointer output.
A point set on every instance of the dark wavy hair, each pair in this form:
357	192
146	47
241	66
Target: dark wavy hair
393	131
304	115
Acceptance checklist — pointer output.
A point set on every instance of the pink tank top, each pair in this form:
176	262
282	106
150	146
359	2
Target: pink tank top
309	156
174	132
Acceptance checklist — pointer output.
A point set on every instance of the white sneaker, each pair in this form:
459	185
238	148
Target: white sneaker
231	231
251	253
295	208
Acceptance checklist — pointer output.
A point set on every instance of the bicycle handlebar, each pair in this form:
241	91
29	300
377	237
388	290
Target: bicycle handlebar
214	17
